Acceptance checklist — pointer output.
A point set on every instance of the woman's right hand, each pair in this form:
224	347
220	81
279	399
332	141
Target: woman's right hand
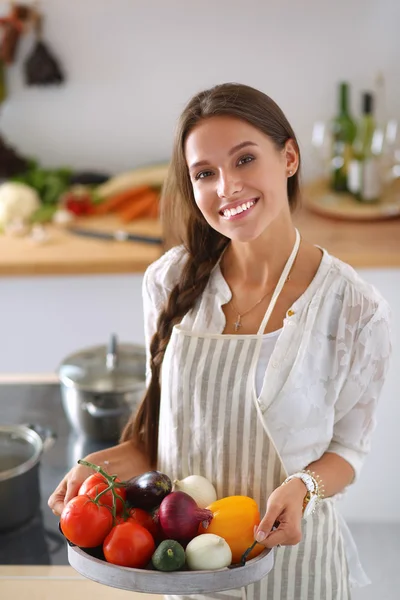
68	488
123	460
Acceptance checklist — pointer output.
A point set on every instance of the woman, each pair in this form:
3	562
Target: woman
266	354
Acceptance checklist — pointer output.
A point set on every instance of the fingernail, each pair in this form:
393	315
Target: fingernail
260	537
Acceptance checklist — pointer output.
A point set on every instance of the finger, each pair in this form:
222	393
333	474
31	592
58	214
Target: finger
268	522
58	507
57	496
286	536
73	486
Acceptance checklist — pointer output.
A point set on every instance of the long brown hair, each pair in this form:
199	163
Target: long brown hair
181	216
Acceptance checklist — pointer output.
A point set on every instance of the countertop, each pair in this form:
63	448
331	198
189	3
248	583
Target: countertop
361	244
64	253
61	582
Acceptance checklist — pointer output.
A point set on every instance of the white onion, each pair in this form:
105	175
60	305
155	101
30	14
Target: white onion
208	552
199	488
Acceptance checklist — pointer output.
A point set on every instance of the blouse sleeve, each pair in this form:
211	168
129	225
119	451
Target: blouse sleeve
357	402
158	280
150	316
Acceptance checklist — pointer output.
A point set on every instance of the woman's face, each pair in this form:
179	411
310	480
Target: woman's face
239	178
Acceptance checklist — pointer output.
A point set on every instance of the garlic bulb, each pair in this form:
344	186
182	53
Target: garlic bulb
208	552
199	488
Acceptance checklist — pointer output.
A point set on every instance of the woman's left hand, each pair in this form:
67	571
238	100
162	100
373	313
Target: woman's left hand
284	505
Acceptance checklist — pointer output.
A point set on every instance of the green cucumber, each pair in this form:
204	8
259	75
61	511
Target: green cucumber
169	556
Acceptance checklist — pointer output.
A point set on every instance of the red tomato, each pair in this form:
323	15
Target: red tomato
95	484
129	545
145	519
160	535
85	523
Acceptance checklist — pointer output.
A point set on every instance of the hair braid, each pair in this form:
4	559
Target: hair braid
203	253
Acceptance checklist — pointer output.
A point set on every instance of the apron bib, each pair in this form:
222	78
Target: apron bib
211	424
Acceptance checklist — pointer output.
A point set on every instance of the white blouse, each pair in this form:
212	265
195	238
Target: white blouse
328	364
267	348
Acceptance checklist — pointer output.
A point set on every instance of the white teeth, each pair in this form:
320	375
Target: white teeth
241	208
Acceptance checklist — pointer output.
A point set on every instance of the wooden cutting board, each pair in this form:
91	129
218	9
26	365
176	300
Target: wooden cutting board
323	201
64	253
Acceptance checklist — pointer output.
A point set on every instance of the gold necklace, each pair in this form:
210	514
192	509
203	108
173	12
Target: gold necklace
238	323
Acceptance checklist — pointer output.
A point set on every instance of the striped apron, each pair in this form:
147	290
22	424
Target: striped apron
212	424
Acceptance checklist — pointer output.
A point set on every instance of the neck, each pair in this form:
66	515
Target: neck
259	263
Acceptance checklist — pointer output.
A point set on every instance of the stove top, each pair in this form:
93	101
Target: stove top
39	541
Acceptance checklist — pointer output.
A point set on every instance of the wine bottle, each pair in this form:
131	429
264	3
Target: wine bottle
343	134
364	179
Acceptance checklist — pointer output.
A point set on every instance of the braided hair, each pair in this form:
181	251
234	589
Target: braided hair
185	223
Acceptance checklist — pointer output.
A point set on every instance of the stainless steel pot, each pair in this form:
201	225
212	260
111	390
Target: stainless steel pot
21	448
101	386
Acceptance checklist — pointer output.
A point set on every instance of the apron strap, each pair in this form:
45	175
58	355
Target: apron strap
280	284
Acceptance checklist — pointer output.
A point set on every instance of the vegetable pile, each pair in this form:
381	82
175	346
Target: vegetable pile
62	196
150	522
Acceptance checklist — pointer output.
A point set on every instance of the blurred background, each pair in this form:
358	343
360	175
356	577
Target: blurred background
90	94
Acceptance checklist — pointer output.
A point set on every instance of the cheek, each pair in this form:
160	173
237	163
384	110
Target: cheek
204	200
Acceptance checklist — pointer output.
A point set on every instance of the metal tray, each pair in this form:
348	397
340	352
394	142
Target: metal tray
176	582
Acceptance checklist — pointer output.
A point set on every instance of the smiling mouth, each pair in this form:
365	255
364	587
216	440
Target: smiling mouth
228	213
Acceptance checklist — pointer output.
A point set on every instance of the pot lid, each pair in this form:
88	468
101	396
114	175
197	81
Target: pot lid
20	450
117	367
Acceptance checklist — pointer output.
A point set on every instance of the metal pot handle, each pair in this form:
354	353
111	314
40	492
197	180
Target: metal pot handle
112	353
47	435
96	411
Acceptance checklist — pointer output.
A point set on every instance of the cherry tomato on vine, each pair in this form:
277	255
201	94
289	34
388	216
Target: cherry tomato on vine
95	484
85	523
145	519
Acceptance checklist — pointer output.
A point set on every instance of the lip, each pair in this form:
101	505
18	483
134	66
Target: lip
237	203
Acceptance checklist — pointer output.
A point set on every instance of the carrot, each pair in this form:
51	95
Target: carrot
154	211
121	200
140	207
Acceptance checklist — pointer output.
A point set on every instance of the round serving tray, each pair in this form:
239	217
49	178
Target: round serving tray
319	198
177	582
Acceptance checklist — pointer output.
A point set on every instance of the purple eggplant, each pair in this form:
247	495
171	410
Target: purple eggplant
148	490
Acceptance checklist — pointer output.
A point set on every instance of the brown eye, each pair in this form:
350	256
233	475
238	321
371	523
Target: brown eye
245	159
203	175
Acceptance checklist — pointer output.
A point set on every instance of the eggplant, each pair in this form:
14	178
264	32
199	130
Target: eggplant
148	490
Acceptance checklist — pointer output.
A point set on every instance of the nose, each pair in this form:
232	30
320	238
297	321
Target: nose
228	184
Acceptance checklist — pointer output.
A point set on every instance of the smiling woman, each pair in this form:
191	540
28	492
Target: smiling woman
250	177
265	355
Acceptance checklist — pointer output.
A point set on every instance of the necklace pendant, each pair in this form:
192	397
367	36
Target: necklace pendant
238	323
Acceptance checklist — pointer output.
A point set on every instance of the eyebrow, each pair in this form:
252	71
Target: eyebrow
201	163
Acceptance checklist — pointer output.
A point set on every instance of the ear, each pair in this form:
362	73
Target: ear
291	154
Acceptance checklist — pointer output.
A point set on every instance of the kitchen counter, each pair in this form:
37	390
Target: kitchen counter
63	583
363	245
64	253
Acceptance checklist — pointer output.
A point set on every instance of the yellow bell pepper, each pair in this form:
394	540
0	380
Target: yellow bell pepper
234	519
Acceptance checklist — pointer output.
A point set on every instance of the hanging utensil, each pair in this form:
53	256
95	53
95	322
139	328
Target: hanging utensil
41	67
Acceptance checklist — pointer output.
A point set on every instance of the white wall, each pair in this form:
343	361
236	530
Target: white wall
132	65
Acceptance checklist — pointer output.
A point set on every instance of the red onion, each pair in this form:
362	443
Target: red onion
180	516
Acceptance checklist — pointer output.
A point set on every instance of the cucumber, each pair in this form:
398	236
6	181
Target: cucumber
169	556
